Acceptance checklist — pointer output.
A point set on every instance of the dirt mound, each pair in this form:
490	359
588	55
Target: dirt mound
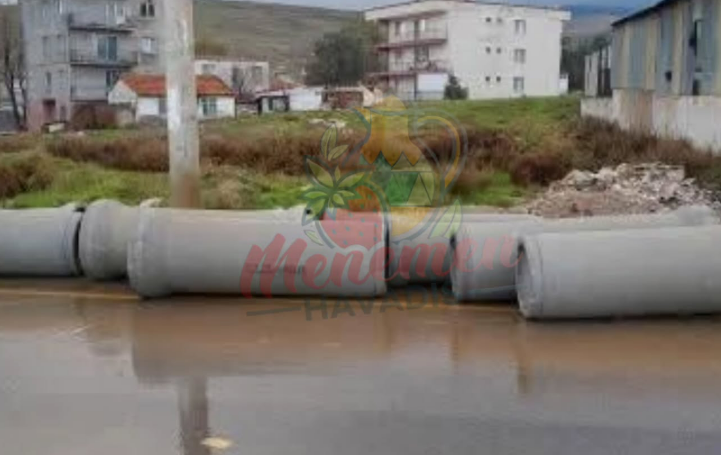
626	189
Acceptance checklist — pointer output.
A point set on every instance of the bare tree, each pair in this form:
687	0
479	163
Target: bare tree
12	65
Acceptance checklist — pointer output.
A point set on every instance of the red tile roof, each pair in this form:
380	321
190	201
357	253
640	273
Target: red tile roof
154	85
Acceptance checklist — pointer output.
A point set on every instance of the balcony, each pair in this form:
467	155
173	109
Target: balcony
93	59
411	68
89	92
415	38
99	21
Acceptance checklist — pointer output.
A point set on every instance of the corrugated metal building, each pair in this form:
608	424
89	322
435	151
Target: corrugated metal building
666	72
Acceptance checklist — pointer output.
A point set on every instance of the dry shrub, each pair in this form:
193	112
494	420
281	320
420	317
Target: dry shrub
17	143
133	153
23	172
93	117
473	179
539	168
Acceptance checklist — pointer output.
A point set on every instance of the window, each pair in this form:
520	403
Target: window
422	54
397	28
148	45
147	8
519	85
488	50
111	77
108	48
519	56
696	36
256	74
499	20
520	26
499	51
488	79
48	83
209	106
162	106
498	79
208	68
489	20
46	48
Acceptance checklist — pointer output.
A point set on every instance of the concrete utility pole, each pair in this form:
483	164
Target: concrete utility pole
182	104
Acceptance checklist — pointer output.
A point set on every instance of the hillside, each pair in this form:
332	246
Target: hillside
282	34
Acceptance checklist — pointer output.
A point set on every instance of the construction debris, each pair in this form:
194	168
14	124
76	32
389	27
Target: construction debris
626	189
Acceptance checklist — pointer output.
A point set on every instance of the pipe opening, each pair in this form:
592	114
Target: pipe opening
526	283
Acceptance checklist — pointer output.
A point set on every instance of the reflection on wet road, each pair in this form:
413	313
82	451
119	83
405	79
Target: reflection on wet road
84	372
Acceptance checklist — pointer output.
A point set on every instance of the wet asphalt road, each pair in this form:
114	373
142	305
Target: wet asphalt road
90	370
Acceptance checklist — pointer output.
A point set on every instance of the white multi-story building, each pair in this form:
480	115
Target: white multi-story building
495	50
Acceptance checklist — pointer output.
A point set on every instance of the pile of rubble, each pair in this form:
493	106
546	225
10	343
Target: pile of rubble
627	189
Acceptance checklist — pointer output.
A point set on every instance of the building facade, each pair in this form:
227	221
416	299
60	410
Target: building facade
244	77
143	97
666	73
76	51
495	50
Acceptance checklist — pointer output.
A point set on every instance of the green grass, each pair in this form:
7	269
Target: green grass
73	182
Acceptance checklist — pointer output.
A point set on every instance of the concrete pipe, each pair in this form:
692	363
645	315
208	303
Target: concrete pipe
486	254
106	229
108	226
670	271
40	242
181	251
427	257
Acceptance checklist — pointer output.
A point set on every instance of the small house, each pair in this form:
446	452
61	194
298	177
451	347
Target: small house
138	97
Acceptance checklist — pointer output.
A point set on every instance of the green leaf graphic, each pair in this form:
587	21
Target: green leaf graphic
448	224
348	195
352	179
316	207
314	194
327	143
320	174
338	200
337	174
337	152
313	236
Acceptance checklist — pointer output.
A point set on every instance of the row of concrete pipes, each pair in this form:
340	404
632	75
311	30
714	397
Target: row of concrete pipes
661	264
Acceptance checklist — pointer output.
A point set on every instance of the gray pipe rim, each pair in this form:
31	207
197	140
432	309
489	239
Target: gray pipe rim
529	271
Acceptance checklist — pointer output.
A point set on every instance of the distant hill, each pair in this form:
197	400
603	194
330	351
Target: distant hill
281	34
589	21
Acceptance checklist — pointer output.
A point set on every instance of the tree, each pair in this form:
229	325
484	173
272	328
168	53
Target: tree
12	64
573	58
454	90
344	57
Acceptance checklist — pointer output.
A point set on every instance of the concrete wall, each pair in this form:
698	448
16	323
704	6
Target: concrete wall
695	118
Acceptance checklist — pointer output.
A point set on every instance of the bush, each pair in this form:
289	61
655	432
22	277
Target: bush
23	172
93	117
540	168
147	153
17	143
454	90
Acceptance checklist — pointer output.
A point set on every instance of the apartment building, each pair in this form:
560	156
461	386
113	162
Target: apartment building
495	50
76	51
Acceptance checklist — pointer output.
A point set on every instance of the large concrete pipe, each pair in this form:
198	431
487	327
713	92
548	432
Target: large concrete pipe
668	271
181	251
426	258
106	229
108	226
485	255
40	242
